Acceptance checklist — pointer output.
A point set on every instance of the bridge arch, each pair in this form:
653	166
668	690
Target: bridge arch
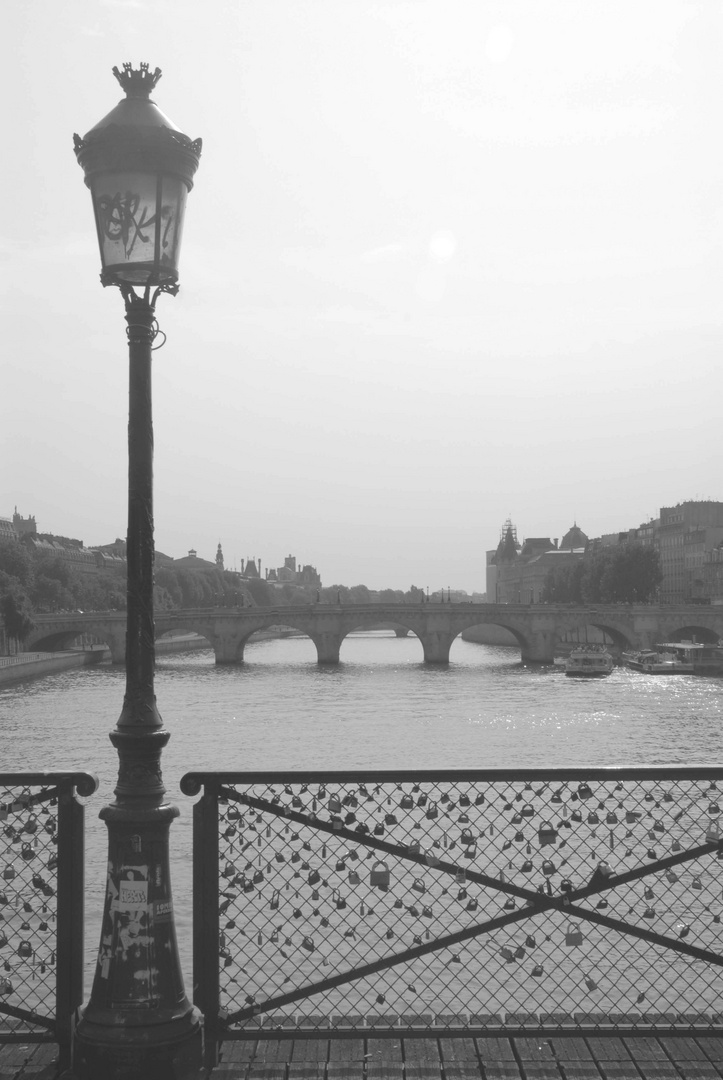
702	634
620	636
521	638
399	629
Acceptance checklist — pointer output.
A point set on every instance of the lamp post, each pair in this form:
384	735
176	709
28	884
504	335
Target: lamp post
138	1022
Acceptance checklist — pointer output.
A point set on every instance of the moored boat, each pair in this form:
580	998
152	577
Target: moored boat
589	661
677	658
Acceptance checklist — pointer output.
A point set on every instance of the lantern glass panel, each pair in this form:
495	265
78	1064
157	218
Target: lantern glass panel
139	217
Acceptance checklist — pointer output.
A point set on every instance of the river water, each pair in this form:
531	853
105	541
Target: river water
380	708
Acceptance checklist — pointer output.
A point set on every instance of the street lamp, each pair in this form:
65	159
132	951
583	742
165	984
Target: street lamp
138	1022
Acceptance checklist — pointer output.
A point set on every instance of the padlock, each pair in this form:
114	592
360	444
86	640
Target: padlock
390	819
527	866
413	910
584	791
9	872
548	868
611	818
472	904
530	941
31	825
418	885
507	953
307	943
592	818
573	936
339	900
334	804
464	800
274	904
379	875
258	877
537	971
697	884
546	834
406	802
432	811
354	877
6	987
427	912
671	876
25	950
314	877
3	939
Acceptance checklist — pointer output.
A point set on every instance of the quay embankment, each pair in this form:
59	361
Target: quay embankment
35	665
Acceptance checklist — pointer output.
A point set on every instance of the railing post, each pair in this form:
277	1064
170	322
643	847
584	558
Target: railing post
206	918
71	888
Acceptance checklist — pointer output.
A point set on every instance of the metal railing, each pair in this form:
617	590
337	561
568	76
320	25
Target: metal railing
41	905
24	658
451	903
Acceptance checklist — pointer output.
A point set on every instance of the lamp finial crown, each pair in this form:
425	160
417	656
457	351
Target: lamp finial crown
137	83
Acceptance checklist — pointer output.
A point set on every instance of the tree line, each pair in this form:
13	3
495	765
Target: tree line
627	574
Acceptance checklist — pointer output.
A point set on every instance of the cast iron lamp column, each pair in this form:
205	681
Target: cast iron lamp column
138	1022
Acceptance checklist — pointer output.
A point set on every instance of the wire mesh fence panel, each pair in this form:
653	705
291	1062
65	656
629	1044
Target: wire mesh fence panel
41	904
470	902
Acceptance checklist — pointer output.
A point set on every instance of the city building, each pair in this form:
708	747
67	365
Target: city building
517	573
688	534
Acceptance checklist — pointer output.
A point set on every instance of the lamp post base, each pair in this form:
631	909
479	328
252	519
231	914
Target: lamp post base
166	1052
138	1024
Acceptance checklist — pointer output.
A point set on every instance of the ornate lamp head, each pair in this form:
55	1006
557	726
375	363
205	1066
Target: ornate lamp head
139	168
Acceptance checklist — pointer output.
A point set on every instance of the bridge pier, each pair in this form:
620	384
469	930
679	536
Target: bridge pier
228	649
117	645
539	647
436	645
328	645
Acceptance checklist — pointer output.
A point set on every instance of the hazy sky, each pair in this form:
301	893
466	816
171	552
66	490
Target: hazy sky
444	262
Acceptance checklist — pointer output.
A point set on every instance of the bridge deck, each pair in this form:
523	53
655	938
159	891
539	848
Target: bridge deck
637	1058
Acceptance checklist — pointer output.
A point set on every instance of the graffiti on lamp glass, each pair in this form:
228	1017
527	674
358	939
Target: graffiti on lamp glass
123	219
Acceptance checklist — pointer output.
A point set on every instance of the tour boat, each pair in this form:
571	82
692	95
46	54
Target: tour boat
590	661
677	658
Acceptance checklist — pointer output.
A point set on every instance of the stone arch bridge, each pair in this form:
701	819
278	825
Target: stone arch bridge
537	627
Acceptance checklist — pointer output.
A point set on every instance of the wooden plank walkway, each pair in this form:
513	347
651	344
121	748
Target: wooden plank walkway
21	1061
569	1058
573	1058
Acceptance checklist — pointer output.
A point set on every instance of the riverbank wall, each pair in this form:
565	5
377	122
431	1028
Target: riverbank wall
35	665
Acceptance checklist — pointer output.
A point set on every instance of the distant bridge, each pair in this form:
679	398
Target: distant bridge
536	627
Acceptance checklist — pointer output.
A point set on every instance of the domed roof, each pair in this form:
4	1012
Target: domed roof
574	538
